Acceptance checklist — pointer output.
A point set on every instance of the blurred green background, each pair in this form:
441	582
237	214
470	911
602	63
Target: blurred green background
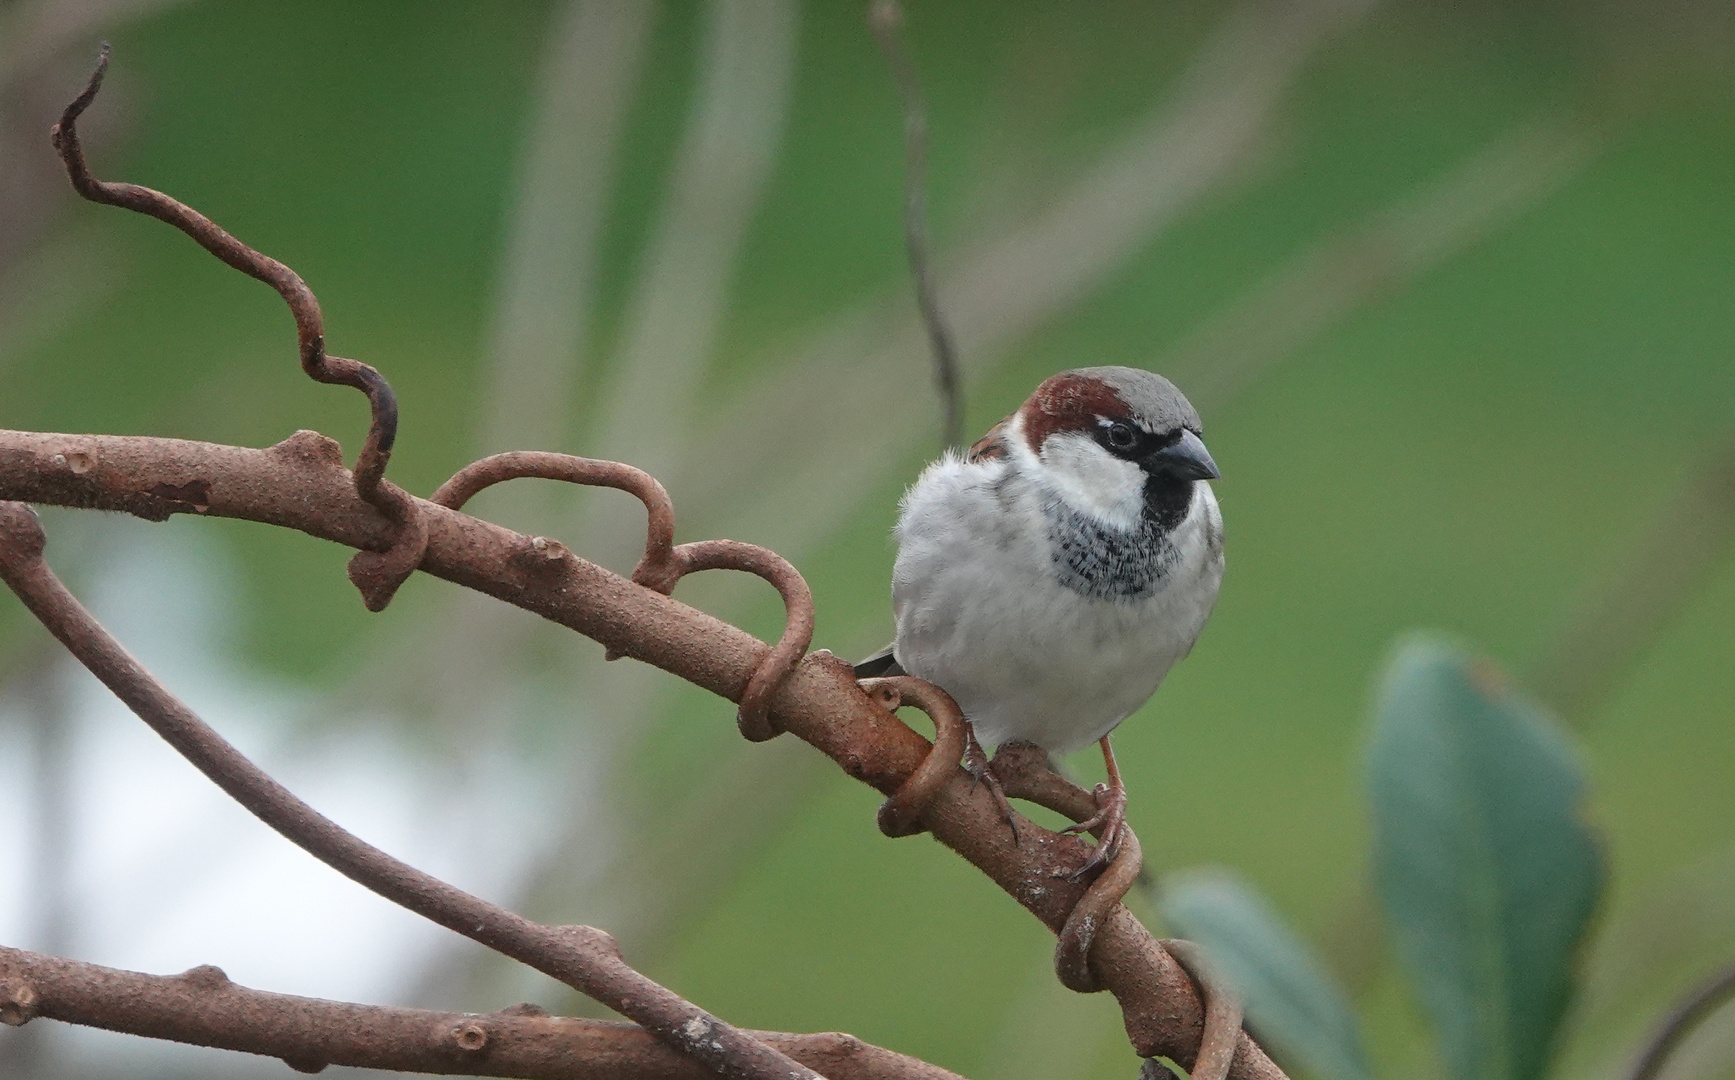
1451	284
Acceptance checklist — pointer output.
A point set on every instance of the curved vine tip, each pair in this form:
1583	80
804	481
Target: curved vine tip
69	116
376	574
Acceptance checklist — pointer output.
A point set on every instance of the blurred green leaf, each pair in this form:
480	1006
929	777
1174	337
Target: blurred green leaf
1486	869
1290	999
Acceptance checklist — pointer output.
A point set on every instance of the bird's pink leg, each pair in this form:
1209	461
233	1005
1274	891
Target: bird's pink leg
1110	820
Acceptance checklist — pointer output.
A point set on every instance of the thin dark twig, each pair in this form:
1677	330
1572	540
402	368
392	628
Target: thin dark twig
582	957
1688	1013
886	19
379	576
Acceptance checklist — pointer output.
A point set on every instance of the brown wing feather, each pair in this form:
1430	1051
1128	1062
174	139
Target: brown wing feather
991	445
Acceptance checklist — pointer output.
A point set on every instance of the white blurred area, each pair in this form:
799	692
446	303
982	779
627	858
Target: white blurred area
161	871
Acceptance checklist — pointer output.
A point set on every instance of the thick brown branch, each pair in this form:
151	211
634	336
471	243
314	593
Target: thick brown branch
301	484
580	956
203	1008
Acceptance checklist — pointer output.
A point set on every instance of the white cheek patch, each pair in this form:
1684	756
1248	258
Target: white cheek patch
1092	480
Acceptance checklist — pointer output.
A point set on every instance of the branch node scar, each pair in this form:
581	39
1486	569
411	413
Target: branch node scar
311	448
77	462
524	1008
696	1029
470	1038
18	1003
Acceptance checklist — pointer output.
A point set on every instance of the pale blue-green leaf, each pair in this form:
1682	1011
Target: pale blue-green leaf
1291	1001
1486	868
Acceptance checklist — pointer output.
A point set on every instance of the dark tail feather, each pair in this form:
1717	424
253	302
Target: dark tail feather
879	664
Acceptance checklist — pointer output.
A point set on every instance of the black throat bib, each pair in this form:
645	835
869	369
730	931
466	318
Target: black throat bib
1106	563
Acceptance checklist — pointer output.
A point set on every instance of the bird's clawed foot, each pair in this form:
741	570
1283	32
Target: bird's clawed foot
981	771
1108	824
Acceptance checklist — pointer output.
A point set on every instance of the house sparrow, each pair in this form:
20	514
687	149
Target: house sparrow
1049	578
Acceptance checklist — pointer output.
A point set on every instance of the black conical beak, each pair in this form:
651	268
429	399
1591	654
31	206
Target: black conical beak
1186	458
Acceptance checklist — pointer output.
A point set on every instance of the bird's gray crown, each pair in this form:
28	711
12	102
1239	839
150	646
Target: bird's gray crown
1073	400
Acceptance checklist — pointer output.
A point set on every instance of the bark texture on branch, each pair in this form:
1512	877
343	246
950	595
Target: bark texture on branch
203	1008
301	484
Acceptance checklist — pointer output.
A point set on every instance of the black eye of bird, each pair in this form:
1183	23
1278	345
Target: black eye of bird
1121	436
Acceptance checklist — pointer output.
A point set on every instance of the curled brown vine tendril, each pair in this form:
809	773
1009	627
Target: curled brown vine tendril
1222	1010
901	814
1026	773
376	574
663	564
1078	933
589	472
754	715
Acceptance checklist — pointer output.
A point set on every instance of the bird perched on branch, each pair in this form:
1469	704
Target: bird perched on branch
1050	577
